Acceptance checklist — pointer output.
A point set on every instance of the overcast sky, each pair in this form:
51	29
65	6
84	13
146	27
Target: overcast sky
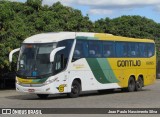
97	9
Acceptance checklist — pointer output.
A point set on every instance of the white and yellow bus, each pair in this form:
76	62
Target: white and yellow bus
71	62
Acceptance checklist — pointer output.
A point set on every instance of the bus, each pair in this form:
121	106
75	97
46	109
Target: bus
72	62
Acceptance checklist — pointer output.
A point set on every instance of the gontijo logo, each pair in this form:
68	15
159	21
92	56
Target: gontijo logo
128	63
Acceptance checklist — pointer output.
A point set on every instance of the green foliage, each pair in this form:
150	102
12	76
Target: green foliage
36	4
130	26
21	20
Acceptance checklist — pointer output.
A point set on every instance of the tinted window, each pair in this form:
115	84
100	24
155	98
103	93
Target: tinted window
108	49
121	49
61	57
151	50
133	50
104	49
143	50
81	50
95	49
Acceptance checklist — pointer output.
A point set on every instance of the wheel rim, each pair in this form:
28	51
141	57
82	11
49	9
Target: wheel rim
75	89
132	85
139	83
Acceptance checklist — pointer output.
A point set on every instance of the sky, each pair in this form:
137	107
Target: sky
97	9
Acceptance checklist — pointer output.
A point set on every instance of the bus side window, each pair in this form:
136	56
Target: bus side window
143	50
133	50
59	61
150	50
61	57
95	49
108	49
81	50
58	65
121	49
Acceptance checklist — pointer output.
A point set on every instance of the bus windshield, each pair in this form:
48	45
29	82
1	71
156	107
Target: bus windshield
34	60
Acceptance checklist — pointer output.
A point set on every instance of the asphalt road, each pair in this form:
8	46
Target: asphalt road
149	97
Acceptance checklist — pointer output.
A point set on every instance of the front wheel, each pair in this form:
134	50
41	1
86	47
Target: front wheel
75	89
43	96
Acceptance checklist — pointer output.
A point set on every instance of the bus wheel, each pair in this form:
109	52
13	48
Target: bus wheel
131	85
43	96
75	89
139	84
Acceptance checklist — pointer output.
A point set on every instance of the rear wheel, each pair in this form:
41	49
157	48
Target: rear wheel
43	96
75	89
139	84
131	85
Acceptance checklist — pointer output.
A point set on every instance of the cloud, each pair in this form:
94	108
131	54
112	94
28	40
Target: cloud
100	12
13	0
107	6
64	2
120	3
157	8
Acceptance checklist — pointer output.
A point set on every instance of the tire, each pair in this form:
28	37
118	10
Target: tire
139	84
43	96
75	90
131	85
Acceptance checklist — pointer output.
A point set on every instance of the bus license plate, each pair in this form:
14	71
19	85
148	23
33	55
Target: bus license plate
31	90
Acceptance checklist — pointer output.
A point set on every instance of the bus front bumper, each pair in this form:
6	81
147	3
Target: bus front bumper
44	89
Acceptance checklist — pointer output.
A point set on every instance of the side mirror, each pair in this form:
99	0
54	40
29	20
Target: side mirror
52	54
11	54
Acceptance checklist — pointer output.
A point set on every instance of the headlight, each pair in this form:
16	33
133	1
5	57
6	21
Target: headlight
50	81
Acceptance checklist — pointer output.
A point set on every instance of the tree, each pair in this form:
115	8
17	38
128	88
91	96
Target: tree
36	4
21	20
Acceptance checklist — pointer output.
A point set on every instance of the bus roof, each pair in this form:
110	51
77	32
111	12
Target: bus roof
50	37
59	36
